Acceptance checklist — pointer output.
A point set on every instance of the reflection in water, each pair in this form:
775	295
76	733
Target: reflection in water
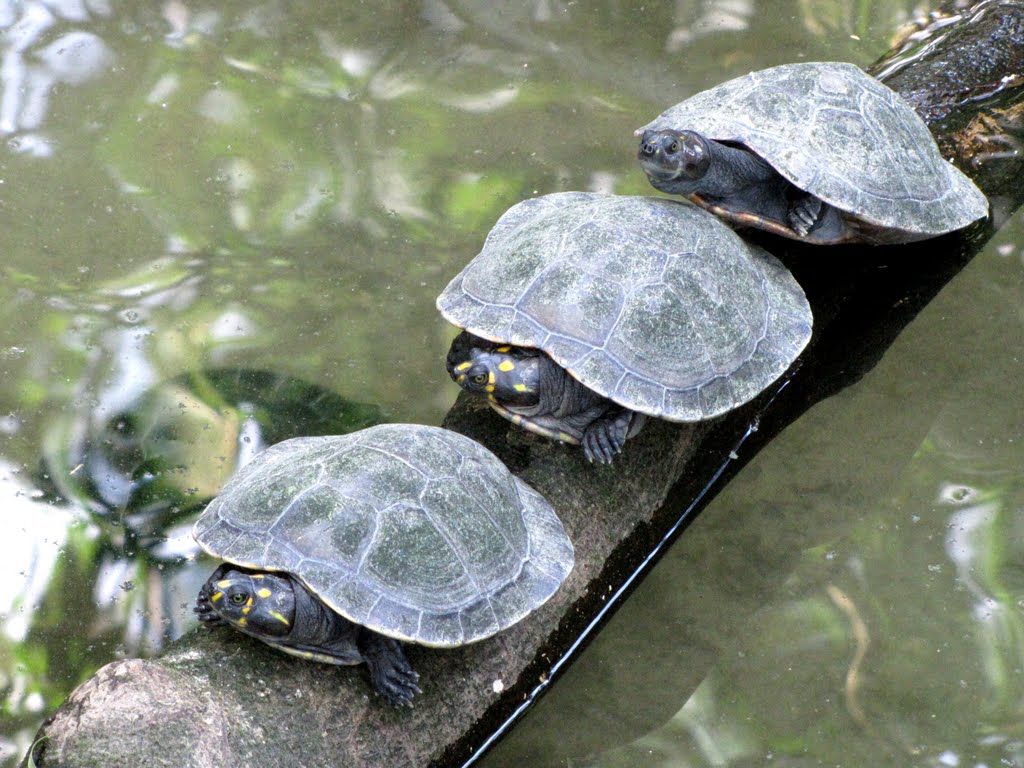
28	554
31	67
143	469
711	18
110	537
104	561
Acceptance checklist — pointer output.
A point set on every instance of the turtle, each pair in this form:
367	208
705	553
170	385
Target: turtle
817	151
339	548
584	313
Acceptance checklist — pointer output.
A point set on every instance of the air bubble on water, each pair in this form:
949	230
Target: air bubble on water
957	493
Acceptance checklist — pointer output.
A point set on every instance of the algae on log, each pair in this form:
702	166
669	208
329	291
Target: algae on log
217	698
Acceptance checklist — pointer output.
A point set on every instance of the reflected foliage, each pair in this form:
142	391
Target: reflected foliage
131	485
168	453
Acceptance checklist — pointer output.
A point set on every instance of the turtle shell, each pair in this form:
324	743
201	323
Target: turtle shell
840	134
653	303
416	532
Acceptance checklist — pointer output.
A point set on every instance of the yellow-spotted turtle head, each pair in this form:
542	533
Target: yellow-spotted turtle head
259	604
674	155
503	373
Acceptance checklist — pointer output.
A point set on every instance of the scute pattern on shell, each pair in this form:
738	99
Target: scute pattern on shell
840	134
651	302
416	532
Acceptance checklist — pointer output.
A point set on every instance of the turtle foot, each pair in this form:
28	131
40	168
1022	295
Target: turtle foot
604	438
391	673
204	600
805	213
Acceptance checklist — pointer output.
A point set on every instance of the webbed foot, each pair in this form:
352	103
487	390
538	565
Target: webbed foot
391	673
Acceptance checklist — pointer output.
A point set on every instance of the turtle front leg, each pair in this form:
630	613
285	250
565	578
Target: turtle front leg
604	437
391	673
204	601
805	213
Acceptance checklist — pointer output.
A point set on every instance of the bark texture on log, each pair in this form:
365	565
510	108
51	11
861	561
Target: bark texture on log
219	699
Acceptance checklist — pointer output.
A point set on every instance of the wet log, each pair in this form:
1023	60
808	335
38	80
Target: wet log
216	698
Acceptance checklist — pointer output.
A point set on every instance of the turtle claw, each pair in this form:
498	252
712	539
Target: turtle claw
395	683
604	438
204	600
598	446
805	213
390	672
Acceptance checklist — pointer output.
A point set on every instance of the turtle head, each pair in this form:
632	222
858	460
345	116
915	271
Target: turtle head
674	156
503	373
259	604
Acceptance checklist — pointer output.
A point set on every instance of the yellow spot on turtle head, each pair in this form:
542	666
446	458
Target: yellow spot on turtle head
520	388
216	596
279	617
492	398
463	366
264	592
490	377
224	583
462	378
258	576
489	387
504	349
247	607
506	365
242	622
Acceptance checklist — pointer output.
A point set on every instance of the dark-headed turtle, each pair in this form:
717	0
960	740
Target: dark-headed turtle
584	312
818	151
338	547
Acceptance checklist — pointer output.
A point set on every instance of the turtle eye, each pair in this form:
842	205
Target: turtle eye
674	147
480	378
238	598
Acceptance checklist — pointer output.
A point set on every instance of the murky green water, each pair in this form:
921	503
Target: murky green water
193	193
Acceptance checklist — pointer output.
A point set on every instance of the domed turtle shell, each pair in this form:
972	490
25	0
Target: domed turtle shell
838	133
416	532
653	303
